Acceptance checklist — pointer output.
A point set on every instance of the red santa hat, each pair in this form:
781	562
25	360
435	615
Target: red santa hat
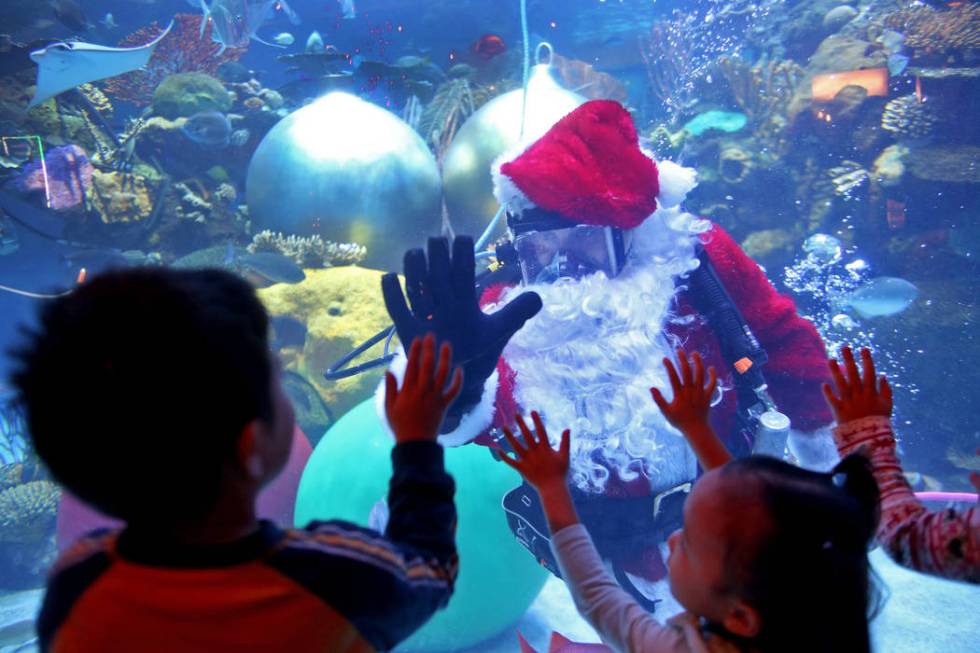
589	168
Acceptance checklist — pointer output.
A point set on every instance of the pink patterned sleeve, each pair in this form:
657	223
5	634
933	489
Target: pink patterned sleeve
943	543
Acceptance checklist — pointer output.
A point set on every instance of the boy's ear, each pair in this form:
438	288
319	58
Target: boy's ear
248	455
742	620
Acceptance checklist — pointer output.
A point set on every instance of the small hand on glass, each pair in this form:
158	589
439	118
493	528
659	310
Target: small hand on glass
417	409
692	399
857	397
535	460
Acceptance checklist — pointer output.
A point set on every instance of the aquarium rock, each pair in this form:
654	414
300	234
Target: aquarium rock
185	94
837	17
948	163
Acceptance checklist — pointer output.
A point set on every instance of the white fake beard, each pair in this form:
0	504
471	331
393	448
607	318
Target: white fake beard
587	361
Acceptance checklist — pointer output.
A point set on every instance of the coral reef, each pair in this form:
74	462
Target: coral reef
734	164
763	93
120	197
185	49
308	252
847	177
909	117
185	94
945	163
65	177
934	31
341	308
763	244
889	167
454	101
28	512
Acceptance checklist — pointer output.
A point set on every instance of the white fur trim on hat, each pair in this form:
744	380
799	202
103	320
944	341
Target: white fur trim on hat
473	423
504	188
675	183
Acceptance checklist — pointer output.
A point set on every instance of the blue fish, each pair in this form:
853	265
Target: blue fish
208	128
882	296
235	22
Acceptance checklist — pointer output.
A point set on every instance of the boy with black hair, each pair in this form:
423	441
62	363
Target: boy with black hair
152	395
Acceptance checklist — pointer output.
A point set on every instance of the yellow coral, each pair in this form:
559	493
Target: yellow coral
120	197
28	511
341	307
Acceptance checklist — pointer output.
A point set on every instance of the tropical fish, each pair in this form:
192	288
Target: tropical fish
261	269
314	42
882	296
489	46
208	128
347	9
235	22
284	38
64	65
108	21
239	137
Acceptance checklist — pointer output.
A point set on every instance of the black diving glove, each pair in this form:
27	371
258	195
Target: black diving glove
442	293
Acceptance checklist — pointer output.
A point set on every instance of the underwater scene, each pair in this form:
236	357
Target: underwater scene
307	145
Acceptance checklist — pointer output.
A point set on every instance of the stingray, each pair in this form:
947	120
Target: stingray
64	65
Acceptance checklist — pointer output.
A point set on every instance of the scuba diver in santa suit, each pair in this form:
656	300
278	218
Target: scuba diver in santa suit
604	276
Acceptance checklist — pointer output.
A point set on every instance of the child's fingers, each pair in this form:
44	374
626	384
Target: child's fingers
829	396
698	370
975	481
685	367
658	399
444	364
675	382
428	360
869	369
525	432
454	387
514	444
886	389
843	389
542	433
391	391
412	369
850	366
565	447
712	383
511	462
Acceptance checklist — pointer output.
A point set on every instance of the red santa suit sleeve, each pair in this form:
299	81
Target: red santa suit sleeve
797	365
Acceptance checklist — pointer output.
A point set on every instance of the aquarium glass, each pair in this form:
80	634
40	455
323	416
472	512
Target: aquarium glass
308	145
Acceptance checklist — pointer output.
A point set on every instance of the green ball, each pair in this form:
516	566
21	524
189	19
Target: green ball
349	472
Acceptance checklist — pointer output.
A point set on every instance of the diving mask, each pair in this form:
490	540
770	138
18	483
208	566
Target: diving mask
548	255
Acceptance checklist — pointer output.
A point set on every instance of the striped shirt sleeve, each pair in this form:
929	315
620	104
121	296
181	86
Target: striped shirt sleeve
943	543
387	585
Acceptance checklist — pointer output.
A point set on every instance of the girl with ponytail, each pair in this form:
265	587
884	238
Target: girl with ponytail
771	558
943	543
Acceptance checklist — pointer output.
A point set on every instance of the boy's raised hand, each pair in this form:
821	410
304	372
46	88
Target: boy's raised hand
692	399
415	412
857	397
536	461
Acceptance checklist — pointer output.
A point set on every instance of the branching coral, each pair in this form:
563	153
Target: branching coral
670	64
309	252
28	511
938	31
185	49
454	101
907	116
761	91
